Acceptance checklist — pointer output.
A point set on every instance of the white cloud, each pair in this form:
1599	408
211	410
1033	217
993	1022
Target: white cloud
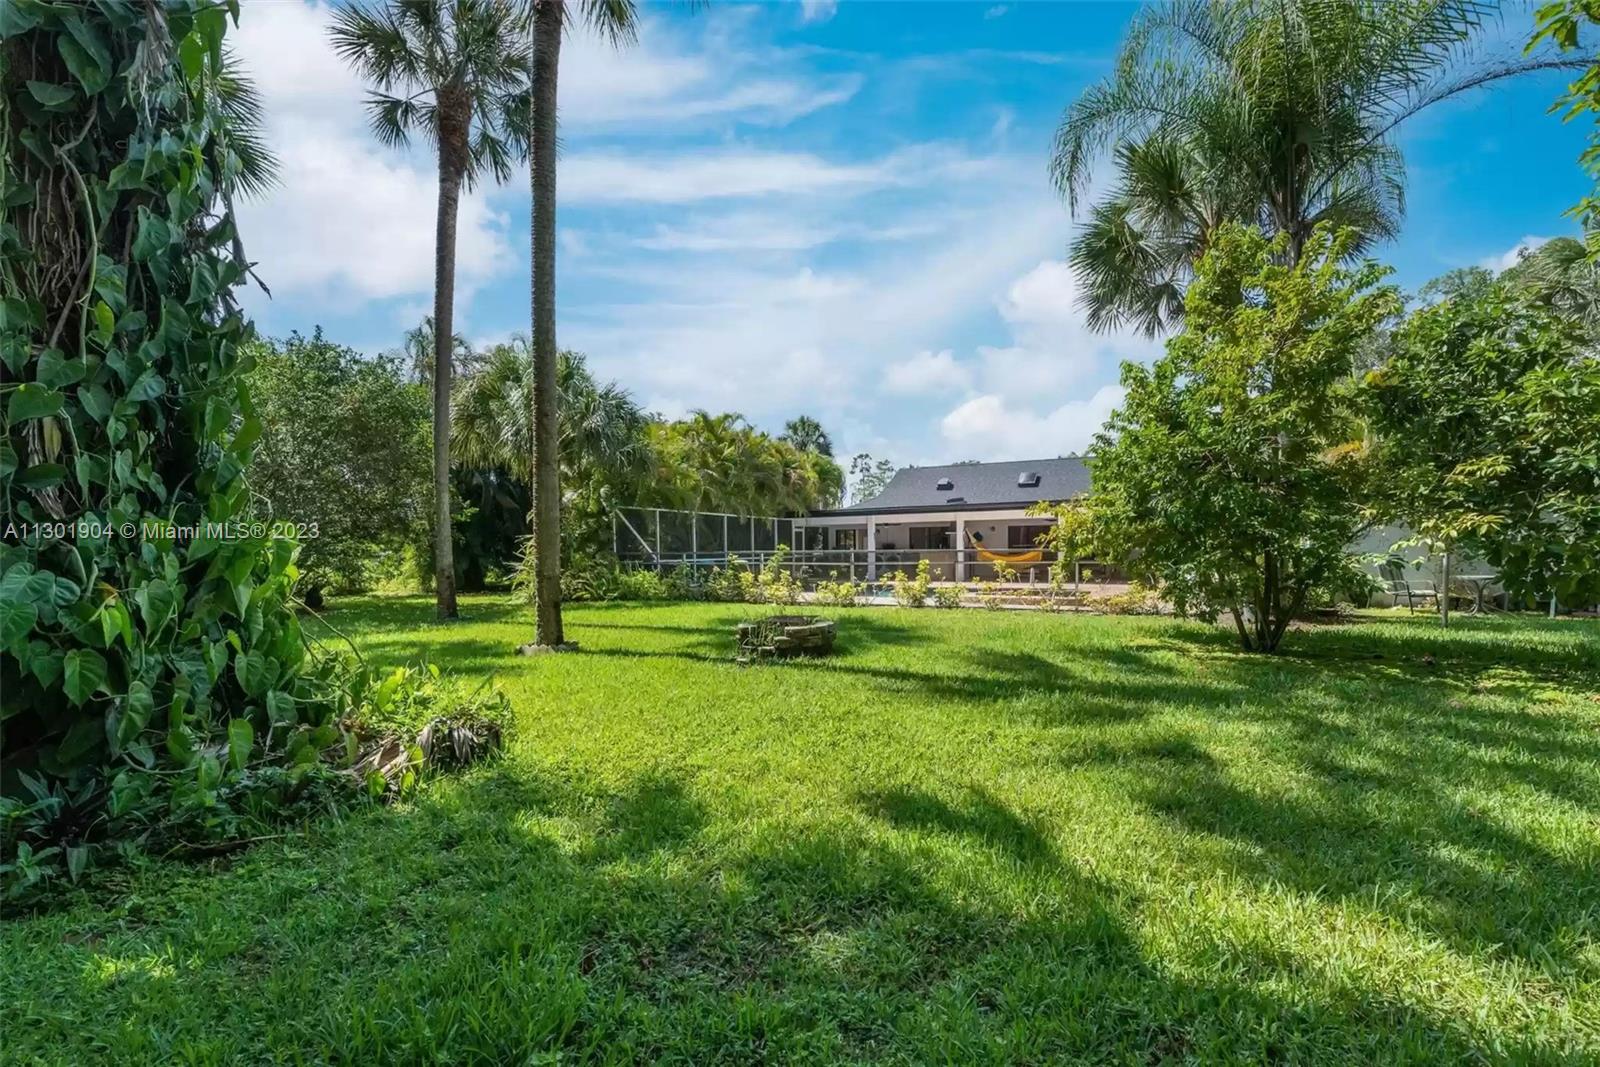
818	10
1004	118
1512	256
349	220
770	332
1052	350
989	427
927	373
995	12
666	78
679	178
775	231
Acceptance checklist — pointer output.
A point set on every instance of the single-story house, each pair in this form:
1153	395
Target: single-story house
964	518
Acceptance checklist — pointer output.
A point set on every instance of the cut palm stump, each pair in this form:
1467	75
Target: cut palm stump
785	635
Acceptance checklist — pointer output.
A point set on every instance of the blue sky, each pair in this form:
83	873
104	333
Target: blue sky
842	210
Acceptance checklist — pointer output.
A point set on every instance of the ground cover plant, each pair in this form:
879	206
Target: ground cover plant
969	836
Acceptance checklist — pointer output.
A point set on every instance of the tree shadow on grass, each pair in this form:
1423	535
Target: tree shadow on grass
976	815
527	911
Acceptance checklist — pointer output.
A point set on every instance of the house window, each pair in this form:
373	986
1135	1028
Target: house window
931	536
843	538
1025	536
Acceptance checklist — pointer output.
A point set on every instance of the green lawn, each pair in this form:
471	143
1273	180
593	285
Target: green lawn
969	837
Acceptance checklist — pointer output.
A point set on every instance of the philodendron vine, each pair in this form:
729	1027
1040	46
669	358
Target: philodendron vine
153	669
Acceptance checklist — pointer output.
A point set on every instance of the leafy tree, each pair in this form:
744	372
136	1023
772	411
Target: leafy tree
1463	281
1487	419
604	451
1228	477
1561	23
344	454
1276	113
456	72
720	463
153	670
868	477
616	20
807	434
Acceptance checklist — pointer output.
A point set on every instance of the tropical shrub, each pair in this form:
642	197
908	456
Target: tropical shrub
775	584
729	583
838	593
1137	599
344	456
989	590
911	591
947	596
720	463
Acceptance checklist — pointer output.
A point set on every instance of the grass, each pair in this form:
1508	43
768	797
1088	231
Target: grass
968	837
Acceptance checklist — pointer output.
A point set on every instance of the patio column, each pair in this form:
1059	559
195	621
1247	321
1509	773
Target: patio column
961	546
872	548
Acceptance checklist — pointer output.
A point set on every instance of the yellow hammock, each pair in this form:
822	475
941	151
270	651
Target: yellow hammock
1033	556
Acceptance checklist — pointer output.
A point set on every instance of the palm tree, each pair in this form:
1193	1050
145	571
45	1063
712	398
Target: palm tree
615	20
807	434
454	71
1562	274
416	349
601	431
1276	113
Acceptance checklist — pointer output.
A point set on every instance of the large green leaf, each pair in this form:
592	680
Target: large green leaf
16	622
136	712
147	386
280	707
43	476
89	73
31	401
241	739
256	672
156	601
83	671
154	236
56	370
23	582
51	95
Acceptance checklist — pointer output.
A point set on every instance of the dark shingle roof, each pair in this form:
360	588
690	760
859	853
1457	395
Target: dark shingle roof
979	485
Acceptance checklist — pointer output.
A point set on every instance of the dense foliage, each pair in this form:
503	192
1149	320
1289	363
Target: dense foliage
1227	476
1487	418
721	463
152	668
343	457
157	684
1563	23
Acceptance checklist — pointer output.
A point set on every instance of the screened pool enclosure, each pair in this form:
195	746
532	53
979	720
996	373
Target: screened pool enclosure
835	544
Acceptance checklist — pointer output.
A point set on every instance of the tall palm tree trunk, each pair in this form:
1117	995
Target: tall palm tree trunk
444	300
546	444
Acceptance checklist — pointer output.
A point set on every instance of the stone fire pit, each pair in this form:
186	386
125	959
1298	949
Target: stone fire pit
785	635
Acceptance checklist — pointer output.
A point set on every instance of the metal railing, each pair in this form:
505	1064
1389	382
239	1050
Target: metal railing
945	565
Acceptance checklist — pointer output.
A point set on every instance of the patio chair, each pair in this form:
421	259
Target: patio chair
1398	586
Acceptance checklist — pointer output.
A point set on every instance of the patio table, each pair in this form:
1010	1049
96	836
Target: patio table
1480	586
